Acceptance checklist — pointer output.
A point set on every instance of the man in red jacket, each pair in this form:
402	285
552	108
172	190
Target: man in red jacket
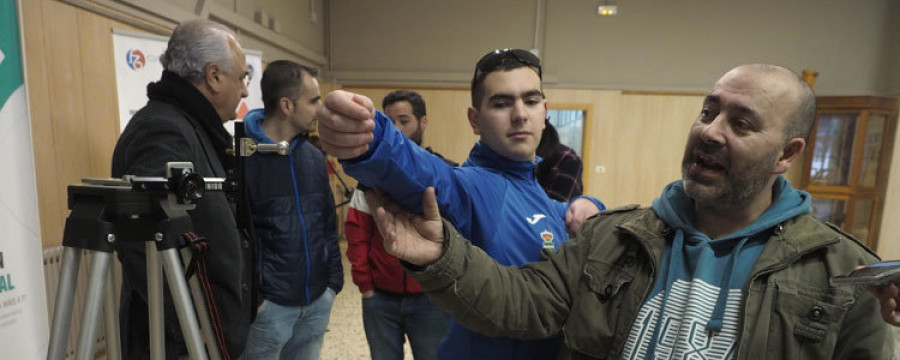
393	304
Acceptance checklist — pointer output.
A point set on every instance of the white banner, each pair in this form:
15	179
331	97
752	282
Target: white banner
24	330
137	64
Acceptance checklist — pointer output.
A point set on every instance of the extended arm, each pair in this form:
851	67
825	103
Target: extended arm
374	152
531	302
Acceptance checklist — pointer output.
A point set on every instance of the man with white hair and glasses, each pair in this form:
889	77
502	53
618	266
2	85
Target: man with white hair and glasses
204	79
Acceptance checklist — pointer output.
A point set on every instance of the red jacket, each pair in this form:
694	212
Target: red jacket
370	265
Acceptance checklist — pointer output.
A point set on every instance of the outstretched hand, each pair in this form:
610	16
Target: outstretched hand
417	239
346	121
889	297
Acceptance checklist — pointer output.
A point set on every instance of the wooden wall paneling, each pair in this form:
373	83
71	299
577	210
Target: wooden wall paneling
72	95
888	246
37	79
99	87
449	132
652	134
66	101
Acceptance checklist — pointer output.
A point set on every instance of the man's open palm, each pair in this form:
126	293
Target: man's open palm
418	239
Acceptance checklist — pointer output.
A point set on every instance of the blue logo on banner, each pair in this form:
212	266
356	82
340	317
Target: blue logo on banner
135	59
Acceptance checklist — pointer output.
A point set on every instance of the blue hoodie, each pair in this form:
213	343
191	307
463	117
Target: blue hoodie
495	202
693	308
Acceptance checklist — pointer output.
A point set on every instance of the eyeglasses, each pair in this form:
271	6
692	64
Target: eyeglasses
248	75
493	59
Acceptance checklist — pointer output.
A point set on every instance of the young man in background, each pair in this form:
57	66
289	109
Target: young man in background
293	215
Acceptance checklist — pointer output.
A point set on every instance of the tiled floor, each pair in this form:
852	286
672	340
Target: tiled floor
345	338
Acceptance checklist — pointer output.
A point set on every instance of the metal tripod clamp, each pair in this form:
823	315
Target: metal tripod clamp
249	147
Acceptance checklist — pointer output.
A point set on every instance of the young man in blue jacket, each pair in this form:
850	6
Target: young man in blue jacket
494	198
293	214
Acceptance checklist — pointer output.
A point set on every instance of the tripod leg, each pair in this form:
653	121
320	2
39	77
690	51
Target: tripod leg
92	302
155	303
183	306
65	296
202	312
113	344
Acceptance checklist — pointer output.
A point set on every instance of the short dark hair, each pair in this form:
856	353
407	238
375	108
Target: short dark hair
412	97
506	63
282	78
804	115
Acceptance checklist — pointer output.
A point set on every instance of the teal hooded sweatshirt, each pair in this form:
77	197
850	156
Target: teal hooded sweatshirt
692	310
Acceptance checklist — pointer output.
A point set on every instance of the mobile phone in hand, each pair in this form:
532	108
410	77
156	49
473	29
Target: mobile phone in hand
874	274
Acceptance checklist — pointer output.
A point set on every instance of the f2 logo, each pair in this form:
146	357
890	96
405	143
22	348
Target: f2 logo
135	59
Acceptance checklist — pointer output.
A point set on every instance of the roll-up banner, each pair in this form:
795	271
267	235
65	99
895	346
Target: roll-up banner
24	329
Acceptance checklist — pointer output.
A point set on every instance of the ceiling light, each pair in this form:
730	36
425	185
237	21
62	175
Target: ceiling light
607	10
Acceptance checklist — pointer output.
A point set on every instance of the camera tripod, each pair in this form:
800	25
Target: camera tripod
153	210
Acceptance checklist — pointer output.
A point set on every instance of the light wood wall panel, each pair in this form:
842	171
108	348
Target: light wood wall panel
646	145
888	243
72	98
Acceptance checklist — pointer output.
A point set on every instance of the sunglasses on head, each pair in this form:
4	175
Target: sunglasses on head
491	60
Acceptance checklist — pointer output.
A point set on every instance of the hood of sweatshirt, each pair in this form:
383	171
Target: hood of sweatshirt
725	262
253	128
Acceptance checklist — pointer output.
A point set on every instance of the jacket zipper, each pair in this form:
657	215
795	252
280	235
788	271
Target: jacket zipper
303	223
771	269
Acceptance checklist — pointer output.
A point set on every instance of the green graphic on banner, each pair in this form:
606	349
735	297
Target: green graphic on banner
10	54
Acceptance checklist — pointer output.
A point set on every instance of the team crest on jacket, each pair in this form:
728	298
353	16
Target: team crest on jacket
548	239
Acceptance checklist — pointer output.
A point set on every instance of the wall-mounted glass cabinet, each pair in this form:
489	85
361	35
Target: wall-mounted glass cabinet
847	161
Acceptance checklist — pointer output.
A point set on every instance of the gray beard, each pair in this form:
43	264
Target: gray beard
738	190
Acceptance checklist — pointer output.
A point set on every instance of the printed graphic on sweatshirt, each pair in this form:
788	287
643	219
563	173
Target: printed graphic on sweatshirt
683	334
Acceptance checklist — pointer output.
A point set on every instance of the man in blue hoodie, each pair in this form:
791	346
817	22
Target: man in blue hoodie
293	212
494	198
727	264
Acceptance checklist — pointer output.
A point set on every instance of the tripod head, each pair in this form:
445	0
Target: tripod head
99	205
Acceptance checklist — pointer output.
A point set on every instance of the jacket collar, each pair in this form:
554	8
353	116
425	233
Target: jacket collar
483	156
792	239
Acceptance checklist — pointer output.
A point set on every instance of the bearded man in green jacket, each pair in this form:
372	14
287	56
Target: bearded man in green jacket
728	263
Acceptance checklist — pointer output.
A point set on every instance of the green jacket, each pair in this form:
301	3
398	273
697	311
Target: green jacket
592	289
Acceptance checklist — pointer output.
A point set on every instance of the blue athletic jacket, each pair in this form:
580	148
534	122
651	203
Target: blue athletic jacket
293	220
494	202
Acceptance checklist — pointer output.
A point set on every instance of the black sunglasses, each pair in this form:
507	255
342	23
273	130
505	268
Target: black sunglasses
491	60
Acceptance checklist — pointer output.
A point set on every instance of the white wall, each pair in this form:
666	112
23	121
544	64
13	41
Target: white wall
650	45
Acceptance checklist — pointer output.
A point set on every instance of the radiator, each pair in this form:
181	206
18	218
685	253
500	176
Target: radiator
52	264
